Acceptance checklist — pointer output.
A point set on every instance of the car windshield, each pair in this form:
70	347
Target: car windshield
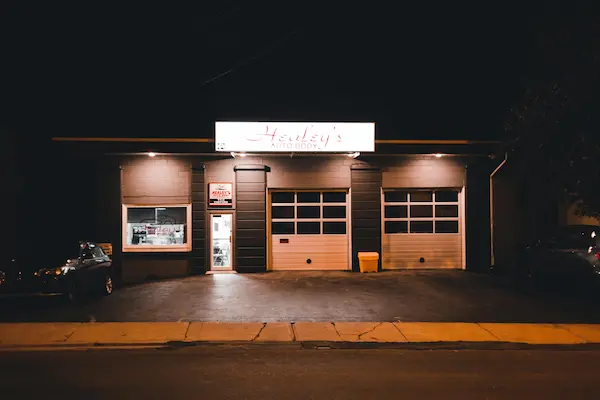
577	237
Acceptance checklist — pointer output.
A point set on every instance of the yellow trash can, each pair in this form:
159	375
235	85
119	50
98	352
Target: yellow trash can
368	261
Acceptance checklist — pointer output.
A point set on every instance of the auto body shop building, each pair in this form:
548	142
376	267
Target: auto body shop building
270	196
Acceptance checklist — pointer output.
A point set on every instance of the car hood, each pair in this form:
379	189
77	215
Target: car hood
32	264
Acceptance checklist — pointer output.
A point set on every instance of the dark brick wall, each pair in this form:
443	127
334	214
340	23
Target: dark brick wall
250	218
478	216
366	211
158	180
198	258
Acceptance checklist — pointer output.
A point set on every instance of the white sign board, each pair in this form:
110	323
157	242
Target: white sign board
295	136
220	194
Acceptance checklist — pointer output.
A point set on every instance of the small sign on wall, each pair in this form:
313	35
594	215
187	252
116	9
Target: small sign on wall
220	194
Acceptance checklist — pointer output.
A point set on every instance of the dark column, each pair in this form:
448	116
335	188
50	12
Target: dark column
108	208
198	256
478	216
366	211
251	218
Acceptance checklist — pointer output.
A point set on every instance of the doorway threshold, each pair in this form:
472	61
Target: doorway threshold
217	272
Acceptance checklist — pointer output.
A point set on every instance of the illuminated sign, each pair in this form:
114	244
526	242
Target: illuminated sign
295	136
220	194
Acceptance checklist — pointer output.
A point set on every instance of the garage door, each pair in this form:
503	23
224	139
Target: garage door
309	230
422	229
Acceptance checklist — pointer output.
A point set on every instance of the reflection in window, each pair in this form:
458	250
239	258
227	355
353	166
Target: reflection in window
446	226
421	196
282	212
156	226
309	211
396	226
421	211
396	211
446	211
395	196
282	197
334	212
308	197
334	228
421	226
449	196
334	197
309	228
282	228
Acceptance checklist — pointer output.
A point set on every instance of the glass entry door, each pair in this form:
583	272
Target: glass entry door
221	241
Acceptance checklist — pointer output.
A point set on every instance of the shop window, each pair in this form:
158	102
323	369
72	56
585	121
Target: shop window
421	197
308	197
334	197
309	212
282	228
156	228
334	228
446	226
396	226
421	226
446	211
308	228
334	211
446	196
395	196
396	211
282	197
282	212
421	211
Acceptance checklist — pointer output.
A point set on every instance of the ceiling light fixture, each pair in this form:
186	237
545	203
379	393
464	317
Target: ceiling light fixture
151	154
438	155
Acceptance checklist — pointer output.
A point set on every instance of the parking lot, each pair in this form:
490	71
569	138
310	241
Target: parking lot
442	296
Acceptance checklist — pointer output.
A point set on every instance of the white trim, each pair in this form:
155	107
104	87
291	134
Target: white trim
211	214
187	247
349	227
463	225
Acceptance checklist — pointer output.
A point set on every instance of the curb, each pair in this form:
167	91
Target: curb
306	345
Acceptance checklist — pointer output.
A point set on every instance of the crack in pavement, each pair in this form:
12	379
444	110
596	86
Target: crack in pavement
293	328
264	325
360	335
68	336
336	331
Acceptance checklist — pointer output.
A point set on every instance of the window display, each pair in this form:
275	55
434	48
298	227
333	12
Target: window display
157	227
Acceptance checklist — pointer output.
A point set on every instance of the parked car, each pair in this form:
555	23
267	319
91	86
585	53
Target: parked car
571	254
89	272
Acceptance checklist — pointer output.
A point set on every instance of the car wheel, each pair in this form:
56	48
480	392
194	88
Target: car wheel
108	286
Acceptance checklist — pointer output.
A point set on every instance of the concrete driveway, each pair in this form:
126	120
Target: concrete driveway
442	296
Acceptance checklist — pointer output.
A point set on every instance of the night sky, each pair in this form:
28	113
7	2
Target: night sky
427	71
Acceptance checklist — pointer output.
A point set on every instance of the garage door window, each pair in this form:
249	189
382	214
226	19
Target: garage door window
422	211
309	213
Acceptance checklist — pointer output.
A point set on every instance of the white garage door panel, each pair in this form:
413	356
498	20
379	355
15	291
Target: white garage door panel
327	252
405	250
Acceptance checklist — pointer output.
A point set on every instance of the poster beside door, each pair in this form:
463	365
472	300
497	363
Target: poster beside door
220	194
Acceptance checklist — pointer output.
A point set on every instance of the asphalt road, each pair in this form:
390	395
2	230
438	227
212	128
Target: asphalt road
439	296
285	373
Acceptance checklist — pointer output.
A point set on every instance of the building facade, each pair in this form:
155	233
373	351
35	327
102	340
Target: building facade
172	207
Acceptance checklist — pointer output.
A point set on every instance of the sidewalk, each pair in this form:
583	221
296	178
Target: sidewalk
28	336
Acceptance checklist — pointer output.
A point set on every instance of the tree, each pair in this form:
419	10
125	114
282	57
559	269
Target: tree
556	125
